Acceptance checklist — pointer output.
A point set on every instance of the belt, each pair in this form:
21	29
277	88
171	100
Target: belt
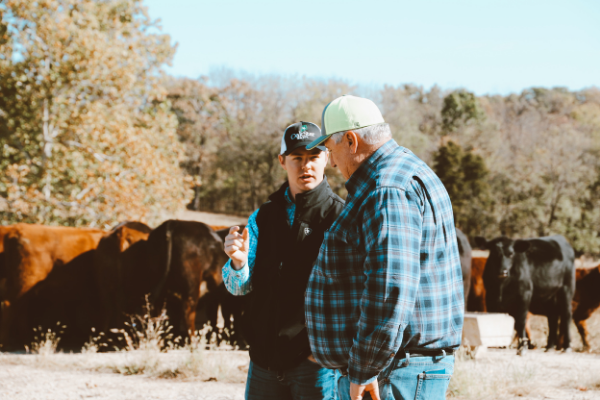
416	353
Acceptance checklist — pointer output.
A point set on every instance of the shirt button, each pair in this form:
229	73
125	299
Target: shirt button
392	355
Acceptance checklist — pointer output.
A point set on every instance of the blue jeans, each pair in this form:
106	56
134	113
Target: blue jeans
307	381
418	378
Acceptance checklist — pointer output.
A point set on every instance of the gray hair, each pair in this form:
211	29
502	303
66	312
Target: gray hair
369	134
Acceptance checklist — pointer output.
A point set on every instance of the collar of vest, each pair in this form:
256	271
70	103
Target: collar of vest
306	199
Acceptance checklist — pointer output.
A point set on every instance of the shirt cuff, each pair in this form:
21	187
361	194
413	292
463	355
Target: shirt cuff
361	377
242	273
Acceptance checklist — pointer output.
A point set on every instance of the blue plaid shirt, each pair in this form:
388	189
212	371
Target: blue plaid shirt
238	282
388	275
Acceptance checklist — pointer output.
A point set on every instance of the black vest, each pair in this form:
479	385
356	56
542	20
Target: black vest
274	318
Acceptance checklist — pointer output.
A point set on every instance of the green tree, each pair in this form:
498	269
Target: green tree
465	175
460	107
86	134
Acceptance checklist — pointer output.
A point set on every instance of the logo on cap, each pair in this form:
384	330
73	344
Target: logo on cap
303	134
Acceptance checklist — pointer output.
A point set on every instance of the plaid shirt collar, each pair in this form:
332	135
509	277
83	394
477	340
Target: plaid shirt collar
369	167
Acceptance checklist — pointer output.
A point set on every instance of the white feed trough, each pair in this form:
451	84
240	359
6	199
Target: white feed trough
483	330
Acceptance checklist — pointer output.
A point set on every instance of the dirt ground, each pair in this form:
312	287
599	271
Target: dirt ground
500	374
104	377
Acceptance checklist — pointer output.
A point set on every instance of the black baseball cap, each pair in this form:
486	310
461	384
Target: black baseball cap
299	134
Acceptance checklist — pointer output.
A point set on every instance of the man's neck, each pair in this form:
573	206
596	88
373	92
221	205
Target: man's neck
294	191
365	151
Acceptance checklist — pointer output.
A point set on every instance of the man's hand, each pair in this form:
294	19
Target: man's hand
358	391
237	246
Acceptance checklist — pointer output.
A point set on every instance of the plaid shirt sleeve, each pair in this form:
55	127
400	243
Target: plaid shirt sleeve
238	282
390	233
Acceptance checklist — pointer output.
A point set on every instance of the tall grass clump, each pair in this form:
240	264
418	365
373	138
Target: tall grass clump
145	337
45	342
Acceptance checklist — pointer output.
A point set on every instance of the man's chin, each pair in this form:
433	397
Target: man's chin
306	186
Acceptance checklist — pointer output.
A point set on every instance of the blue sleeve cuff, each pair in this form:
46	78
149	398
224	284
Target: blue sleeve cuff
236	281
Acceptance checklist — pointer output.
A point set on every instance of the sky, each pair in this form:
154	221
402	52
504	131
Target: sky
485	46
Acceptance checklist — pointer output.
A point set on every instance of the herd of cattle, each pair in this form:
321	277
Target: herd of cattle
87	281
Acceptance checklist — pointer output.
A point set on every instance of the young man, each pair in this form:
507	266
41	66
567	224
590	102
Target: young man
271	262
384	303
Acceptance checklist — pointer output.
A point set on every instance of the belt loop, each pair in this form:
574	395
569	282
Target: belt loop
407	361
443	353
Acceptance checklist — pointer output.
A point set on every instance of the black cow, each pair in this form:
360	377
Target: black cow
531	275
465	252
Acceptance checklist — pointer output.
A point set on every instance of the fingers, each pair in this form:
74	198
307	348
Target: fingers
237	245
246	239
373	388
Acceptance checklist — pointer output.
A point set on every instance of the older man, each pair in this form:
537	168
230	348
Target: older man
384	303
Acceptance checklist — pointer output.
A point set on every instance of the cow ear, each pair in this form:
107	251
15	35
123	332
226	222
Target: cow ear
521	246
481	242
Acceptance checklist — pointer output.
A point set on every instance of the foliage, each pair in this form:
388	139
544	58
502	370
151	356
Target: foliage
525	164
86	135
232	134
460	107
92	132
464	175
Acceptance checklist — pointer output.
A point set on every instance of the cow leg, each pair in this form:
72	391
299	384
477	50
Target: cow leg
566	315
212	312
552	330
580	315
189	312
583	332
520	323
5	324
520	317
532	344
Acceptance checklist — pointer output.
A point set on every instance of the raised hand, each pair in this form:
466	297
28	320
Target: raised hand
237	246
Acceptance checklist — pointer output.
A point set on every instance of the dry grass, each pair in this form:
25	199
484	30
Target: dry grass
45	342
503	375
491	380
147	348
150	352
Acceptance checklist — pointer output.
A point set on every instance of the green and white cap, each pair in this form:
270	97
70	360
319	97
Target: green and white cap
344	114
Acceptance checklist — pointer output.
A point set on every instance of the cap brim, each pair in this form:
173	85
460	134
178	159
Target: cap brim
289	151
317	142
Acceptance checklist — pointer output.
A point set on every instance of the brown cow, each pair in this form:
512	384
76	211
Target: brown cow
31	252
476	300
586	300
76	294
4	230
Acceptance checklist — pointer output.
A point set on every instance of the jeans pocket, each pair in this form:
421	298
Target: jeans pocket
432	386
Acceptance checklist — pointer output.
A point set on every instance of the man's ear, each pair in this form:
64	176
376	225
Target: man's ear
282	161
351	139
